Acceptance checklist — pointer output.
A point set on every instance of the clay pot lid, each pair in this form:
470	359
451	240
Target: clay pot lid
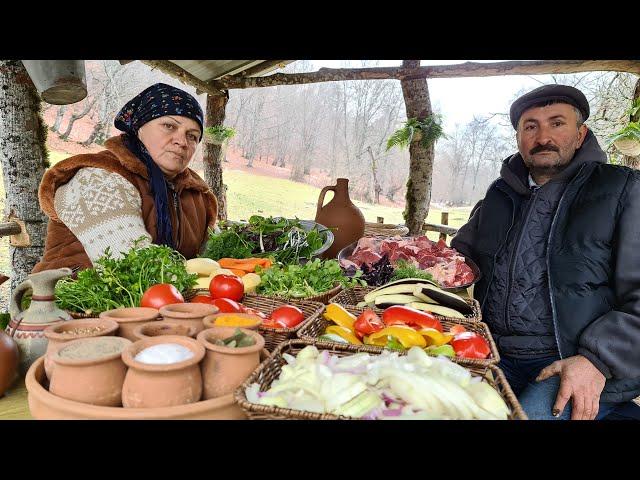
188	310
223	332
209	320
55	332
131	314
129	353
81	362
64	408
164	327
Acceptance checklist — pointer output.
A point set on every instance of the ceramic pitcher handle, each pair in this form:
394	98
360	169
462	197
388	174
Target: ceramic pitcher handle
16	301
323	192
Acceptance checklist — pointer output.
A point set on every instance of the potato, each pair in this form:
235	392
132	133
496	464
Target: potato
202	266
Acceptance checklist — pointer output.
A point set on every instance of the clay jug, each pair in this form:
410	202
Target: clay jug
9	356
27	326
341	216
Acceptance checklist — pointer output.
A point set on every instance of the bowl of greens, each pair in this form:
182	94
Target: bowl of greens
287	241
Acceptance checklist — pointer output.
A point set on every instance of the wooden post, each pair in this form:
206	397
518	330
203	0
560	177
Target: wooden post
444	220
212	157
23	155
380	219
418	196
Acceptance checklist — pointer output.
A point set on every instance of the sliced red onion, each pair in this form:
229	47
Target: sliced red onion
392	412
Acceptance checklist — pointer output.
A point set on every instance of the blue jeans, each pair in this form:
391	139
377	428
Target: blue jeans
537	398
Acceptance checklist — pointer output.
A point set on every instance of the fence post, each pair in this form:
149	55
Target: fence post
380	219
444	220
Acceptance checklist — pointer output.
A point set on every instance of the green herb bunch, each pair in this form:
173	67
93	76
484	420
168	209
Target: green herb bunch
283	240
405	269
299	281
115	283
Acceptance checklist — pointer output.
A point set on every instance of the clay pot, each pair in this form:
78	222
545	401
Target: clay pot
43	405
60	333
149	385
341	216
95	379
224	369
188	314
210	320
9	359
131	317
163	327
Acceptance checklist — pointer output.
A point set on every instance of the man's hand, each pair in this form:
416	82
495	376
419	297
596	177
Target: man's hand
580	380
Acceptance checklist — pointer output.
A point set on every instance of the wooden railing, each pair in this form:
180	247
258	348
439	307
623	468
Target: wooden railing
443	228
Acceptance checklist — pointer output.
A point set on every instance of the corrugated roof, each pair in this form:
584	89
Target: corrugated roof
207	70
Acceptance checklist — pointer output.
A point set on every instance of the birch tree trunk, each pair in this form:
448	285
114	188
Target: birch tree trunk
23	155
633	162
59	115
215	114
418	105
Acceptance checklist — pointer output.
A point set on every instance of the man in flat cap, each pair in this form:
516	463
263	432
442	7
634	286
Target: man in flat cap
557	238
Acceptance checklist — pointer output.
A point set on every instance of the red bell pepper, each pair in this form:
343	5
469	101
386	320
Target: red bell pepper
367	323
470	345
401	315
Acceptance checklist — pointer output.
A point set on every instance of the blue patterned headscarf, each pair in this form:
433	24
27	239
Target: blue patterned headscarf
156	101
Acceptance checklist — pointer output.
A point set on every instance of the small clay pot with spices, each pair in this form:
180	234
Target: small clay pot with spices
225	368
61	333
164	327
188	314
150	385
90	370
129	318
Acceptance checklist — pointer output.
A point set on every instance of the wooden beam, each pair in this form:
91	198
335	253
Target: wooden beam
9	228
181	74
265	66
468	69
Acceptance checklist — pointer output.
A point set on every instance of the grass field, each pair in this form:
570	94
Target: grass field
255	194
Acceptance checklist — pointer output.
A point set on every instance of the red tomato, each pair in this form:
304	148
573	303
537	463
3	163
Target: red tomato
160	295
201	299
287	316
253	311
226	286
367	323
470	345
456	329
226	305
401	315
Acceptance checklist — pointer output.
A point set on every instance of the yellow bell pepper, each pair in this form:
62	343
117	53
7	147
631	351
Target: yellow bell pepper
408	337
344	333
434	337
337	314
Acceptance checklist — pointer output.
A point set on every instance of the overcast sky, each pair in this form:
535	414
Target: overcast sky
459	99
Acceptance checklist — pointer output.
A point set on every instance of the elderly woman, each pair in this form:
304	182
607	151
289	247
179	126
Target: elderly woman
140	186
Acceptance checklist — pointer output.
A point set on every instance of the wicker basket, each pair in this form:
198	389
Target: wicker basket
323	298
78	316
314	329
269	370
275	336
353	296
384	230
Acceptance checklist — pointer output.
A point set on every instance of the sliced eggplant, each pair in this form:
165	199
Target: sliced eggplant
384	301
406	288
446	299
437	309
418	292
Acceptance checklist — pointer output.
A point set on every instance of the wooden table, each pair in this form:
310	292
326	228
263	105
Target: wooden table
14	406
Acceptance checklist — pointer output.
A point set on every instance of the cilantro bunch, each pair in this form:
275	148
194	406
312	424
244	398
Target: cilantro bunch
115	283
300	281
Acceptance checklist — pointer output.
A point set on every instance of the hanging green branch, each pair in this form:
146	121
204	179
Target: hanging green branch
219	133
426	131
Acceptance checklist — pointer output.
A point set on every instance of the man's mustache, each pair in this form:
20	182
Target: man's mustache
544	148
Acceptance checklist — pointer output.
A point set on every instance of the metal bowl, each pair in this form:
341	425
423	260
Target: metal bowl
347	251
309	225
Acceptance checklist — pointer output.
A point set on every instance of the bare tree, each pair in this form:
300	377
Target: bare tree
56	125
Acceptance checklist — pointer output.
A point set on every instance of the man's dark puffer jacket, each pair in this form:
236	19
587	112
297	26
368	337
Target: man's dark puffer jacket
593	260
